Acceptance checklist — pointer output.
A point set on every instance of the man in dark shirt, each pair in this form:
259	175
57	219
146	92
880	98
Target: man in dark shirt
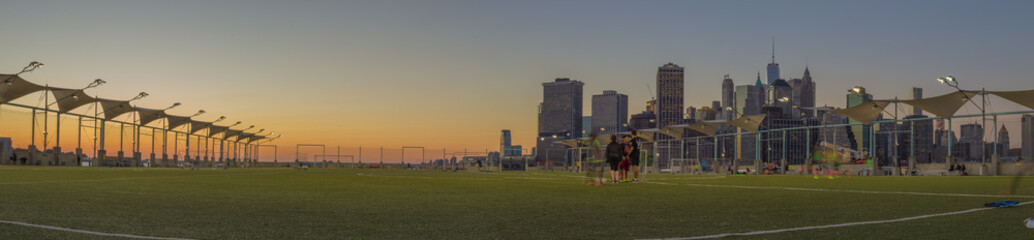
633	155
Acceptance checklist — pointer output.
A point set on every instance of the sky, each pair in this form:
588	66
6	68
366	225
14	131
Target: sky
452	74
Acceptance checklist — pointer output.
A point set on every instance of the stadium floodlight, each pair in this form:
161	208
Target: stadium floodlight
139	96
95	83
171	107
235	124
949	80
784	99
32	66
199	112
220	119
855	90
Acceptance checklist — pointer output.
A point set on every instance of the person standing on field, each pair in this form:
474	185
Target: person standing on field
614	157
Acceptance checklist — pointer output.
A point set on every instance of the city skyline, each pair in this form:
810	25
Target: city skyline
361	73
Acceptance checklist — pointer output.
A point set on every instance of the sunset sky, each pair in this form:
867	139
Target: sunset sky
452	74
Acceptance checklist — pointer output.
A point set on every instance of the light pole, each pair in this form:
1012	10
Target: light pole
951	81
186	152
165	139
222	144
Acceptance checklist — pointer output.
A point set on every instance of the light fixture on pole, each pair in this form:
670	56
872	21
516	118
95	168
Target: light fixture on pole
951	81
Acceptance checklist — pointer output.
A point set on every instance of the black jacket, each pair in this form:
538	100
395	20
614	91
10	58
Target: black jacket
614	152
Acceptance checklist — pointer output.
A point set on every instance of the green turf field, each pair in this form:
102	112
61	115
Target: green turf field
411	204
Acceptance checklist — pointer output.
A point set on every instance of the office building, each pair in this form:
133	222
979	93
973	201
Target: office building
670	94
560	117
609	112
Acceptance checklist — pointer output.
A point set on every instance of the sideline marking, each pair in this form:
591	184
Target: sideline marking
833	225
849	191
89	232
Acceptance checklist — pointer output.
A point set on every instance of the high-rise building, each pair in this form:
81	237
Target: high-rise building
670	94
1027	136
644	120
923	136
586	125
560	117
804	95
691	112
780	94
861	133
916	93
1003	141
609	112
773	68
748	100
728	97
972	135
504	142
718	111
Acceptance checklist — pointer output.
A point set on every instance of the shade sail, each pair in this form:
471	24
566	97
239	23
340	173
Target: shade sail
114	108
68	99
13	87
749	123
647	134
213	130
709	128
865	112
943	106
1025	98
232	133
570	142
149	115
674	131
176	121
196	126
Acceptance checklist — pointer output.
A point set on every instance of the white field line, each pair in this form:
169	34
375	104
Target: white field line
848	191
89	232
835	225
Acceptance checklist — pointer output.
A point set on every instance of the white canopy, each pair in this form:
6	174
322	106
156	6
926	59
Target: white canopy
943	106
865	112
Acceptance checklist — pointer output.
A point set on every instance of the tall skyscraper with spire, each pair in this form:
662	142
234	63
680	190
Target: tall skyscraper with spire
670	94
728	98
773	68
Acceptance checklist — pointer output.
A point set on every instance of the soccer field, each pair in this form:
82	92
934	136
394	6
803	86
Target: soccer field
414	204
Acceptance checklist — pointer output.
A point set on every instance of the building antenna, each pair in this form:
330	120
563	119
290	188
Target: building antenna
773	49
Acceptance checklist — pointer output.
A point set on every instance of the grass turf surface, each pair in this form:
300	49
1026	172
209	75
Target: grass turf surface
397	204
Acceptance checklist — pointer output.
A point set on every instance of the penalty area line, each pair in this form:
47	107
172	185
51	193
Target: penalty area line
88	232
833	225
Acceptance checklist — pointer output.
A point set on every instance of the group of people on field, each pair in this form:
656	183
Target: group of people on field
623	156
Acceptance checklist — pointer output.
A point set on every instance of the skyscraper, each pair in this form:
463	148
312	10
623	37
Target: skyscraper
972	135
560	117
728	97
609	112
670	94
773	68
804	94
857	95
504	142
586	125
780	94
916	93
748	100
1027	136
